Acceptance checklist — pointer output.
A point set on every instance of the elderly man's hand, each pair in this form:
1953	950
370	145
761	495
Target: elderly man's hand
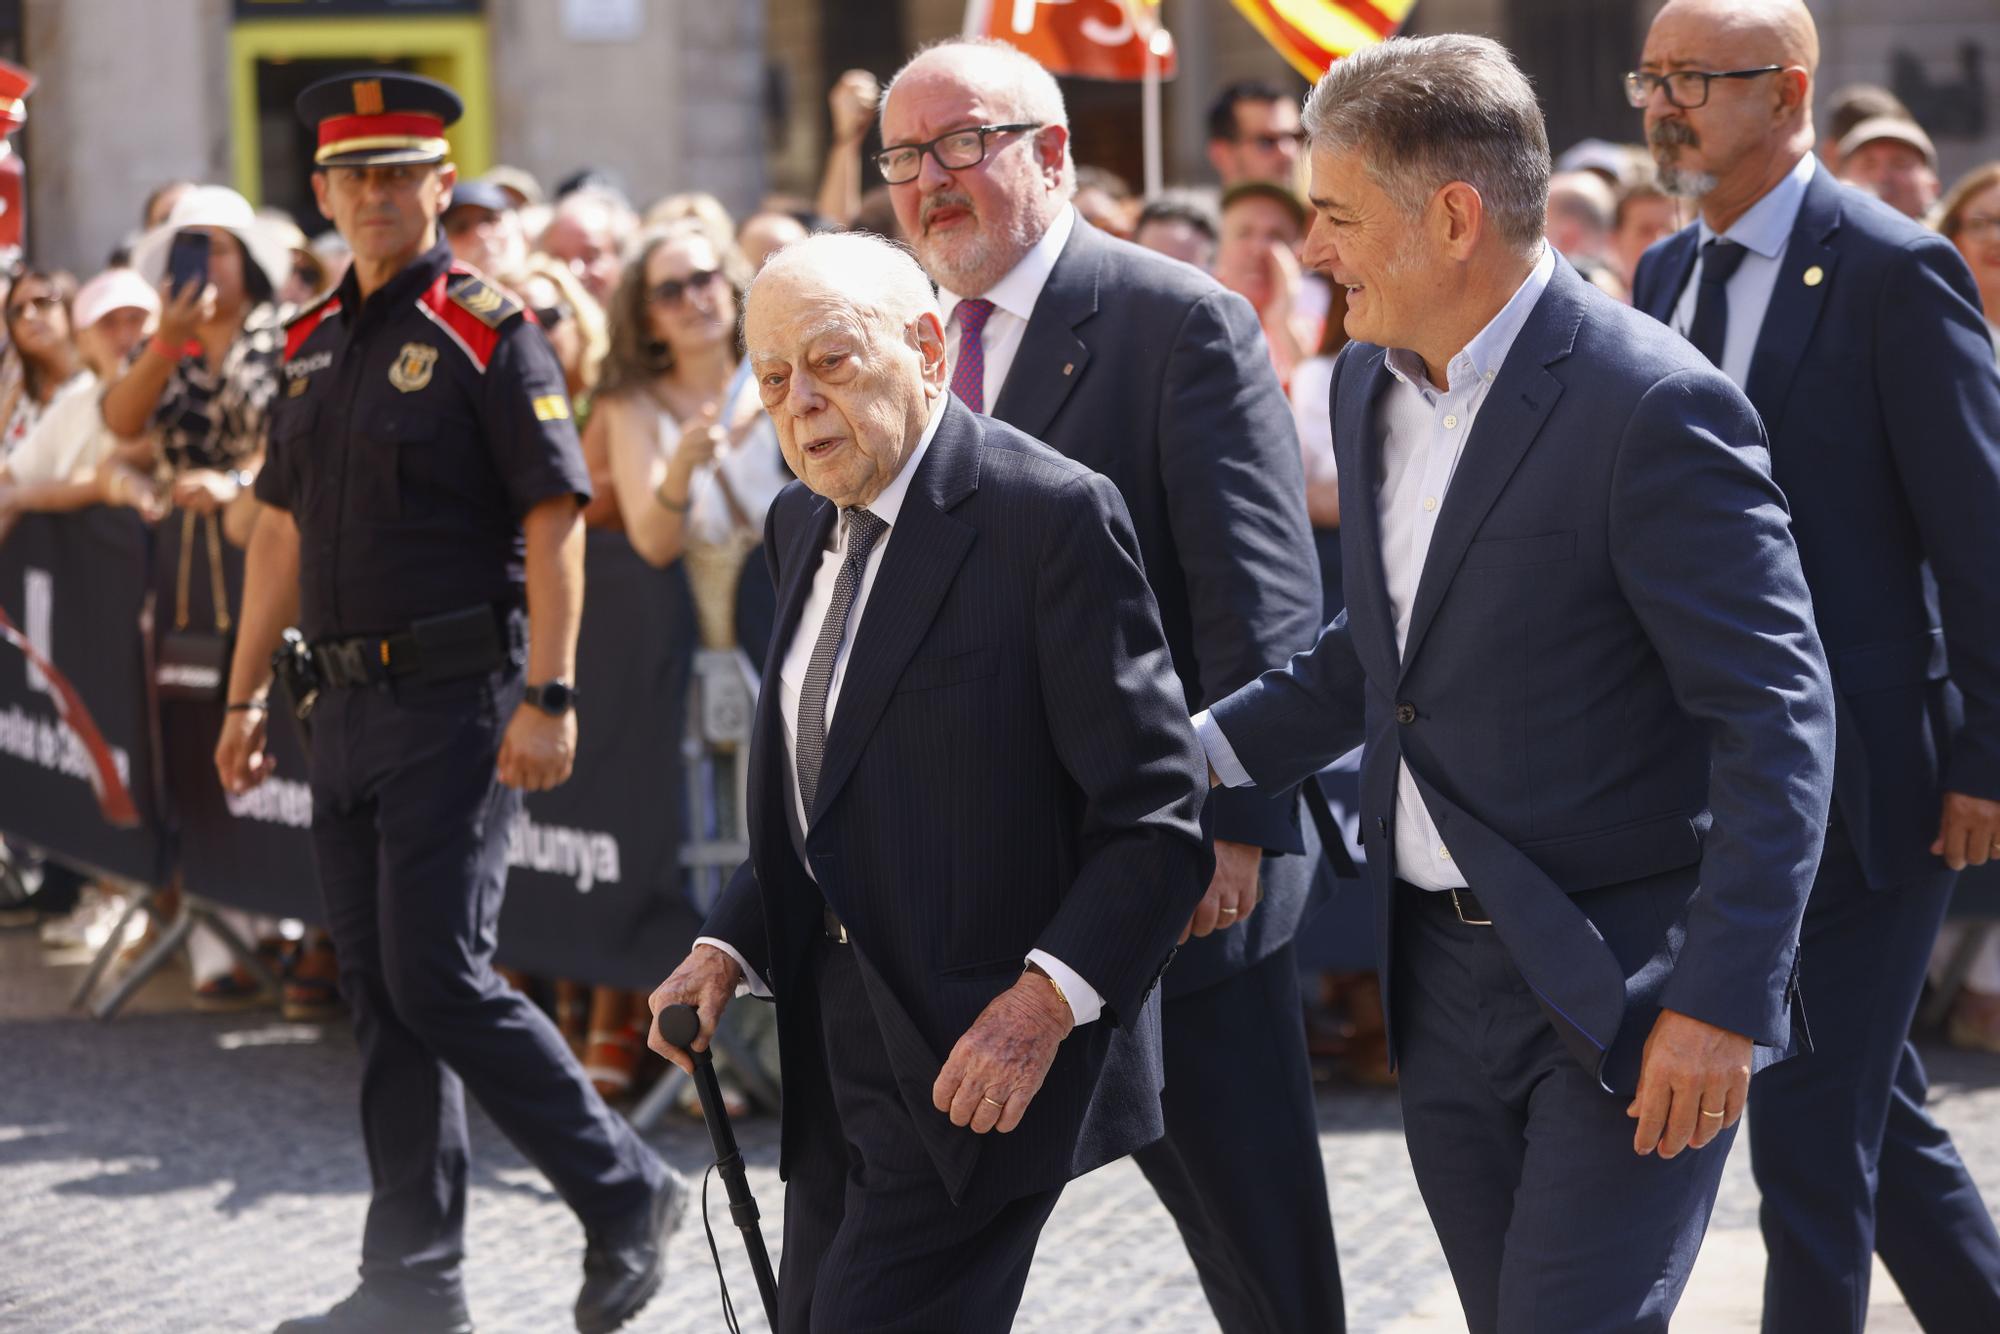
999	1065
1693	1078
1968	831
706	979
1232	893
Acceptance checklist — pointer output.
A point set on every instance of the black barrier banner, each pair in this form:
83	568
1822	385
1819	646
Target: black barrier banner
595	890
252	851
75	585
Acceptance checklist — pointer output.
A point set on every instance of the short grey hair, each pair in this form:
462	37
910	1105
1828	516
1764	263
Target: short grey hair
1426	111
1032	91
876	276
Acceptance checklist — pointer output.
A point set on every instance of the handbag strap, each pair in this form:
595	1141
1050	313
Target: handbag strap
218	590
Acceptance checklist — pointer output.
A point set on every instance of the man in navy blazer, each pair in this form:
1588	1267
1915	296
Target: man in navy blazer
974	815
1153	375
1857	335
1580	654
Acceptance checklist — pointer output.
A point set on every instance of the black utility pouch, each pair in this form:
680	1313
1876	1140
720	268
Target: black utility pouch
458	643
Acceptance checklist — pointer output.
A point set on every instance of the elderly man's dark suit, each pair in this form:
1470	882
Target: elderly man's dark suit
1152	374
1009	768
1874	376
1615	707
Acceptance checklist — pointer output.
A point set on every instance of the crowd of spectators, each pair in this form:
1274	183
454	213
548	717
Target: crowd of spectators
125	392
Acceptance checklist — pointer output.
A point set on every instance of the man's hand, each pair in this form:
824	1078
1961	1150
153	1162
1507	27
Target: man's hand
996	1069
1232	894
241	760
538	751
706	979
1968	832
1693	1078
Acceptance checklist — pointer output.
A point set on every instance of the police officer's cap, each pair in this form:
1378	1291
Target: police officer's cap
379	117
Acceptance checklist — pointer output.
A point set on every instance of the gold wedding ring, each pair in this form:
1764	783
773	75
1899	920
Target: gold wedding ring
1226	912
1706	1112
985	1099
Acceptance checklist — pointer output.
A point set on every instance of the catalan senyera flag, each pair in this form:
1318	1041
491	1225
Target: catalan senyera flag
1085	39
1312	34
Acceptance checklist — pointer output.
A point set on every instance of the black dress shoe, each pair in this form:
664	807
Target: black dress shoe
367	1311
623	1265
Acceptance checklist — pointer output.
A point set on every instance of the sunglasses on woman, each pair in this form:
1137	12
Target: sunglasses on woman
670	292
550	316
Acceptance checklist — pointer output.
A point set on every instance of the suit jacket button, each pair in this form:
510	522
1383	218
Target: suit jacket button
1406	712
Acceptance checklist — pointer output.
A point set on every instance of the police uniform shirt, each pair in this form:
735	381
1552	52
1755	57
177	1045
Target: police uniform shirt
410	435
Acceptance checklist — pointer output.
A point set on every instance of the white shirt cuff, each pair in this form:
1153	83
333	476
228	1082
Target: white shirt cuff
1084	1002
1221	755
751	985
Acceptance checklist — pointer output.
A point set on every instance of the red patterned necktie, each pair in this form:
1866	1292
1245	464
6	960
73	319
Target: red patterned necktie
968	378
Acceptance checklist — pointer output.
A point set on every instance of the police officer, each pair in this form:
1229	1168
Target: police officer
421	525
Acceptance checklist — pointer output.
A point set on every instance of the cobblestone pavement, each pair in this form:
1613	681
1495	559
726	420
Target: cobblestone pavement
172	1172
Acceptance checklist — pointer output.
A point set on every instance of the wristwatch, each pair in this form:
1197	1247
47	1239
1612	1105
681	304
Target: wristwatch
555	698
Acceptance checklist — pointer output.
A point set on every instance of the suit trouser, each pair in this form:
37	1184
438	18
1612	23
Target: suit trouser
1240	1166
410	827
1548	1219
1848	1160
872	1242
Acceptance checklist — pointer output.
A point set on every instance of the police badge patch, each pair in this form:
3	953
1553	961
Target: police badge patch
412	370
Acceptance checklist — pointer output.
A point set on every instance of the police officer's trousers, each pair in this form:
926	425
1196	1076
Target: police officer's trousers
410	826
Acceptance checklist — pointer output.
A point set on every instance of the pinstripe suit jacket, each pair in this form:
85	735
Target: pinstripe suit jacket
1010	768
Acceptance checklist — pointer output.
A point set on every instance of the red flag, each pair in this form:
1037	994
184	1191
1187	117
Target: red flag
1085	39
112	797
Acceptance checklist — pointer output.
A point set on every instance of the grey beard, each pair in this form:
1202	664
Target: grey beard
1685	184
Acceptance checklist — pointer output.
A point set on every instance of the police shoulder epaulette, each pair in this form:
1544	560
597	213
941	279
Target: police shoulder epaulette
471	310
300	327
492	305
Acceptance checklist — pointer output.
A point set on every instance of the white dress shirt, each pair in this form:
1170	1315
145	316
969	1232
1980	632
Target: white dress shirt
1423	431
1084	1001
1013	299
1764	230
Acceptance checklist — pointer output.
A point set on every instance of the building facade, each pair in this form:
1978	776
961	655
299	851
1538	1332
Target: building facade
729	95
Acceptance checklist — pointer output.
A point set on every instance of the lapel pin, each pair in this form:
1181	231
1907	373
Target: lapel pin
1068	366
1814	276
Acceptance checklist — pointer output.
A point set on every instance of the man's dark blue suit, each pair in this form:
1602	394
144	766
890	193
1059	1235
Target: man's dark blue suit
1616	709
1009	768
1151	373
1874	376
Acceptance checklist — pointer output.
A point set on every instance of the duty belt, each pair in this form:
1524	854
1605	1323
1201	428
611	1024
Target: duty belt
351	663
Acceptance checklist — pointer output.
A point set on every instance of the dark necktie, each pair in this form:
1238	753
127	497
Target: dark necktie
1719	262
810	747
968	378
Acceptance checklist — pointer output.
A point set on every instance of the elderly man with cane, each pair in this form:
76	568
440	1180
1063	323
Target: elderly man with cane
972	777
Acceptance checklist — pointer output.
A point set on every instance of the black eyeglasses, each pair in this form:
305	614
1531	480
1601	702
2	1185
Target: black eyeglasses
1685	88
954	152
1271	143
670	292
550	316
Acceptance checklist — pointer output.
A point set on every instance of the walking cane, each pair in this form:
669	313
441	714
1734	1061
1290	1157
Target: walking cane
679	1024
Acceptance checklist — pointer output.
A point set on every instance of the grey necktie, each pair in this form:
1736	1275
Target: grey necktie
862	530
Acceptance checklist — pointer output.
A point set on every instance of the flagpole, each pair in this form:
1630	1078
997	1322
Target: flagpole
1149	116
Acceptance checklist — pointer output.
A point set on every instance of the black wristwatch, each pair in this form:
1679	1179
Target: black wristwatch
555	698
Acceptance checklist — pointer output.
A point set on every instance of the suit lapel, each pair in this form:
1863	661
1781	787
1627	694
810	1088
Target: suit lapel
1052	358
1795	303
926	547
1368	586
1676	263
1509	420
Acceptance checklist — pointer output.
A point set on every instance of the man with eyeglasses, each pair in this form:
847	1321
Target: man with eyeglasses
1857	335
420	524
1254	135
1157	377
